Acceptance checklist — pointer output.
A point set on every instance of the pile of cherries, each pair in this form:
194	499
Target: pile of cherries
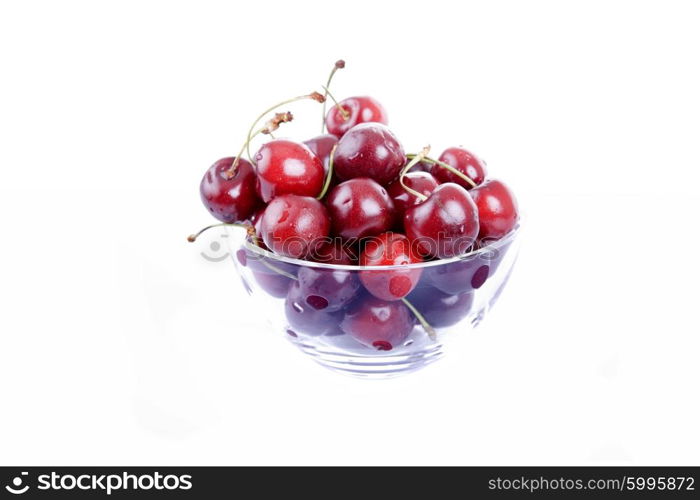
354	196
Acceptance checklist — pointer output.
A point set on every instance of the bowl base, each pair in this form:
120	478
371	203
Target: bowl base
370	367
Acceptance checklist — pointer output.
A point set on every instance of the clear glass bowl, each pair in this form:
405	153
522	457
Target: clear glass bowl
327	312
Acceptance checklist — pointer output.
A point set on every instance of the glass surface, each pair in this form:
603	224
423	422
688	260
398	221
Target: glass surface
328	313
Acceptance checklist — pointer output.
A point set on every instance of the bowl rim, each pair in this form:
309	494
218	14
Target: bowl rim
494	245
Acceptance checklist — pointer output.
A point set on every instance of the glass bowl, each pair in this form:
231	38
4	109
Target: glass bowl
328	313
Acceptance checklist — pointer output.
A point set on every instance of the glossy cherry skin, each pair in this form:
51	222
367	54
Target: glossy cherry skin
444	225
498	209
361	110
306	319
465	162
389	249
369	150
461	276
377	323
230	199
359	208
287	167
422	182
294	226
441	309
329	289
322	146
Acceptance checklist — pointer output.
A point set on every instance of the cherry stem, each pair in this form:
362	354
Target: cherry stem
269	127
329	175
342	110
339	64
426	326
442	164
313	95
414	161
250	231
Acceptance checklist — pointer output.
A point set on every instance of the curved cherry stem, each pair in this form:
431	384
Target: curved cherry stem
414	161
313	95
329	174
250	231
424	323
339	64
270	126
442	164
342	110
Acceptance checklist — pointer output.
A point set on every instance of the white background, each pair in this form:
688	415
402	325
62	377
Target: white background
120	344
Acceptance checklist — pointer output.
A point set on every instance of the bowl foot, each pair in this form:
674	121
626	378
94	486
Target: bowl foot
382	366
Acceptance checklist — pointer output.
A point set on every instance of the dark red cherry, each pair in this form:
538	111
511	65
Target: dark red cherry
461	276
359	208
305	318
422	182
369	150
444	225
498	209
272	283
389	249
377	323
230	196
465	162
441	309
357	110
336	252
287	167
322	146
295	226
329	289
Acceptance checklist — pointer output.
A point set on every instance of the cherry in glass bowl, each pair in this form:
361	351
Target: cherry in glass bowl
374	322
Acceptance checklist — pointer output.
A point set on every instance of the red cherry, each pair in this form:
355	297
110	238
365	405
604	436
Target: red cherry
422	182
322	146
498	209
335	253
230	196
444	225
441	309
359	208
295	226
357	110
389	249
465	162
287	167
306	318
369	150
377	323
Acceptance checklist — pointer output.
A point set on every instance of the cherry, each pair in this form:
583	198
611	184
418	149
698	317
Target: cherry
304	317
441	309
354	110
230	195
329	289
377	323
272	283
461	276
421	182
389	249
335	252
465	162
288	167
369	150
322	146
294	226
498	209
444	225
359	208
